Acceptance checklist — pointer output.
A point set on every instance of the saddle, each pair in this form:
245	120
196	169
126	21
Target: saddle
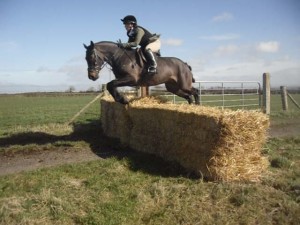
140	57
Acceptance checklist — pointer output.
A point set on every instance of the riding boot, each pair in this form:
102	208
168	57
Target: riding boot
151	61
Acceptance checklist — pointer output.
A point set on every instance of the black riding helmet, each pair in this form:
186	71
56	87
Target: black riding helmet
129	19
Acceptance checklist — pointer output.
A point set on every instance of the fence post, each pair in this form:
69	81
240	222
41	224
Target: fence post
284	99
144	91
137	91
103	87
266	93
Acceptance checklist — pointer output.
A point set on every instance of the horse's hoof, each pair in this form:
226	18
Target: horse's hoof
123	101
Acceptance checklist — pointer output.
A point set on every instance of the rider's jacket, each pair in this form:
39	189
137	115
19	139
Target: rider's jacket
138	36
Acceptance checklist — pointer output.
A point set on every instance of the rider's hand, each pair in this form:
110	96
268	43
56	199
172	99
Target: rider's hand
120	44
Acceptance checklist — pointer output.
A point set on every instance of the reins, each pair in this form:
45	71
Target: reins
109	60
124	51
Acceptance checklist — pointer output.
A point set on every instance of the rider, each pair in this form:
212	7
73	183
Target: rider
150	43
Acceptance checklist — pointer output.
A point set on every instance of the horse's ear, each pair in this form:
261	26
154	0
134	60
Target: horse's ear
86	47
92	44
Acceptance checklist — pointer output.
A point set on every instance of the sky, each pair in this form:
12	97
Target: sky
41	42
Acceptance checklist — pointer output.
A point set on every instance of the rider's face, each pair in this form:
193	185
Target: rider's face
128	26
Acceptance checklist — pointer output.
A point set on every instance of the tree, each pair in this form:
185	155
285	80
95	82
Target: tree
91	89
71	89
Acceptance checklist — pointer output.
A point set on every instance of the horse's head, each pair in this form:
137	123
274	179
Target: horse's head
94	61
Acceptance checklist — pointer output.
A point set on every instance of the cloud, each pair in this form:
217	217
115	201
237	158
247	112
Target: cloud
71	70
43	69
225	16
283	71
172	42
222	37
271	46
226	50
76	59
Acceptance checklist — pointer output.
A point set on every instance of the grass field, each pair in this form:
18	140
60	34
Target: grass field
41	109
128	187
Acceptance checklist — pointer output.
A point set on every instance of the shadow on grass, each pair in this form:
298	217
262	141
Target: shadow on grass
102	146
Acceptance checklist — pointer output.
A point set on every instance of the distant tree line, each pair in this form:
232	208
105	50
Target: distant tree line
72	89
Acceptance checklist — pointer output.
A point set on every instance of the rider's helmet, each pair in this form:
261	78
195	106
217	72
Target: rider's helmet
129	19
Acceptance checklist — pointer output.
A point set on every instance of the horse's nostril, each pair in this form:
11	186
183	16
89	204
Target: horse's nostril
93	77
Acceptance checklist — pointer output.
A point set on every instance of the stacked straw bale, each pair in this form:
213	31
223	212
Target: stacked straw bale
115	121
217	144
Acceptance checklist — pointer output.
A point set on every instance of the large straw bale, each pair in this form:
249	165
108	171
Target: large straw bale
218	144
238	154
115	120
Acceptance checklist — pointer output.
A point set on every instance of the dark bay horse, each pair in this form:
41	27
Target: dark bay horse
129	70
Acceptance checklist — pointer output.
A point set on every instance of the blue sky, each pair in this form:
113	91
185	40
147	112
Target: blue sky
41	41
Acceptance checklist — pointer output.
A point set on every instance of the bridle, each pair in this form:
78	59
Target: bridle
100	63
97	65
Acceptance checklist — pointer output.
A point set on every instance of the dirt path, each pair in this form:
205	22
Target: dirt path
42	159
16	163
288	130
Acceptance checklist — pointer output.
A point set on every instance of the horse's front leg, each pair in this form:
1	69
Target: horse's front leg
112	88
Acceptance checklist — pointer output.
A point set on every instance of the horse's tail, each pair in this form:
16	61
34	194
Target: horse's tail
190	68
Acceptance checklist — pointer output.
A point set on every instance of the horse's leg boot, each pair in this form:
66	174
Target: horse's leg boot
151	60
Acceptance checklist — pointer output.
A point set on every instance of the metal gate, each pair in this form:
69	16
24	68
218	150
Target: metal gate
226	94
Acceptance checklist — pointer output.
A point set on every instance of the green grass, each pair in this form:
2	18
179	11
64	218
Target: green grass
136	188
33	110
128	187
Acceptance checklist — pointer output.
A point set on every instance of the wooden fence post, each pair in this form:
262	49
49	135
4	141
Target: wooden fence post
103	87
137	91
284	99
144	91
266	93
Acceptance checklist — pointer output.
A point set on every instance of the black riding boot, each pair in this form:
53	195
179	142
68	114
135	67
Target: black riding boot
151	61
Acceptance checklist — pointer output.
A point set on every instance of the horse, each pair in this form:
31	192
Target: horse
130	70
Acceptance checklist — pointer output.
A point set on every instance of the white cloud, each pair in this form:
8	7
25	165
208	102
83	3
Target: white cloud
223	17
76	59
271	46
172	42
226	50
71	69
283	71
43	69
222	37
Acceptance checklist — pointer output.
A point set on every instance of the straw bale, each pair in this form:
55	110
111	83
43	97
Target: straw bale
218	144
115	120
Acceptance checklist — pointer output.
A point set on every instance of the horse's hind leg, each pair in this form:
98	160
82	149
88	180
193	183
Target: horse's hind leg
174	88
195	93
185	95
188	92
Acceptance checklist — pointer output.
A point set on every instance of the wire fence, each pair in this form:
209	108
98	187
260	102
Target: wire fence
223	94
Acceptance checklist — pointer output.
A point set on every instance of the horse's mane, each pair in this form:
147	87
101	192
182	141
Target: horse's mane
106	42
190	68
